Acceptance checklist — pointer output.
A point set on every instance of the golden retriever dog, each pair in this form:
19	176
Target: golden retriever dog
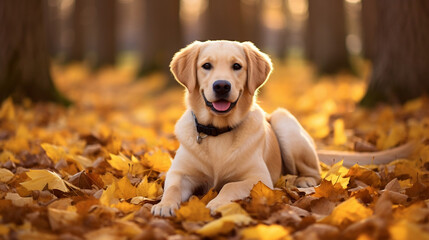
227	142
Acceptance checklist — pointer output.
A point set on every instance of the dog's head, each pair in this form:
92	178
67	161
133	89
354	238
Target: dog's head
222	78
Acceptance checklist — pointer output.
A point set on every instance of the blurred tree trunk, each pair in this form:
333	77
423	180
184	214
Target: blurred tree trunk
78	45
161	35
106	32
224	20
24	61
51	11
326	36
369	23
252	13
400	65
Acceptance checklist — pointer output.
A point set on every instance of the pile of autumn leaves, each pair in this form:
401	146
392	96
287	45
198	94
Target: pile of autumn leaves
93	171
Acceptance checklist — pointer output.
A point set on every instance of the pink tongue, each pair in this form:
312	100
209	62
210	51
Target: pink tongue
221	105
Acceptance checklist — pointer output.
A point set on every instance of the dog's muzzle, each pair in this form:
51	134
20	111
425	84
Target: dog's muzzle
221	106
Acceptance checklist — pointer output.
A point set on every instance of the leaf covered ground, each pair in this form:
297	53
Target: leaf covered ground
94	170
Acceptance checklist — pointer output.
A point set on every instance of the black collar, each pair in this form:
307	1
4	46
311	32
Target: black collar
209	129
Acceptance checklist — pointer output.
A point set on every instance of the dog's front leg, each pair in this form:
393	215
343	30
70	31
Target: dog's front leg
177	188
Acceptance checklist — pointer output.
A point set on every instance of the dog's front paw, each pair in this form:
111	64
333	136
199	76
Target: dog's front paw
165	209
305	182
214	204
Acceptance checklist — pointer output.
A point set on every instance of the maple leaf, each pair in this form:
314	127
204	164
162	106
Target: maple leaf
151	190
347	212
125	165
194	211
42	178
262	194
265	232
336	174
159	161
333	192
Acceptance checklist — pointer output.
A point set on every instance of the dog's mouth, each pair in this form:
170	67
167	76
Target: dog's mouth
221	106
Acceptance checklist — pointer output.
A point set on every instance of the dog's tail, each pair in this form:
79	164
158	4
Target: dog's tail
297	147
366	158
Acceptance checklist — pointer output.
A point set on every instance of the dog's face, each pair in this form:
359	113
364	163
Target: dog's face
221	78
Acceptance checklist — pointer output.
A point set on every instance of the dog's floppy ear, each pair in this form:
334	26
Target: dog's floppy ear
258	66
183	65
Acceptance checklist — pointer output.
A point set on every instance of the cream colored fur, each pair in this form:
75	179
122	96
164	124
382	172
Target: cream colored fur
234	161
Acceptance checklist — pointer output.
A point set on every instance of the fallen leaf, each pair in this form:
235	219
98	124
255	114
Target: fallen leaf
333	192
262	194
365	175
42	178
346	213
5	175
194	211
159	161
224	224
266	232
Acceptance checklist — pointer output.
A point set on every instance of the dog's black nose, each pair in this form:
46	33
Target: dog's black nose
221	87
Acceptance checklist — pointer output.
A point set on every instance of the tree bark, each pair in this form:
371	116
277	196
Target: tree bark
252	13
369	23
161	36
24	61
400	65
224	20
106	32
51	12
78	45
326	35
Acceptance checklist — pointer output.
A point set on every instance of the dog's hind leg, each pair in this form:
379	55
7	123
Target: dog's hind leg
297	148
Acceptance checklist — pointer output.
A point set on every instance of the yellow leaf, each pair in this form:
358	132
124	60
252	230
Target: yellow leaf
407	230
194	211
266	232
210	195
159	161
6	156
231	209
396	135
263	194
108	196
347	212
151	190
224	224
125	165
336	174
5	175
340	137
55	153
126	207
124	189
42	178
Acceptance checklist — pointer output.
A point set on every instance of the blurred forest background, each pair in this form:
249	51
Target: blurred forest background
331	35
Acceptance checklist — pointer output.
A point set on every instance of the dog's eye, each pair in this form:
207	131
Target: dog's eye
236	66
207	66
